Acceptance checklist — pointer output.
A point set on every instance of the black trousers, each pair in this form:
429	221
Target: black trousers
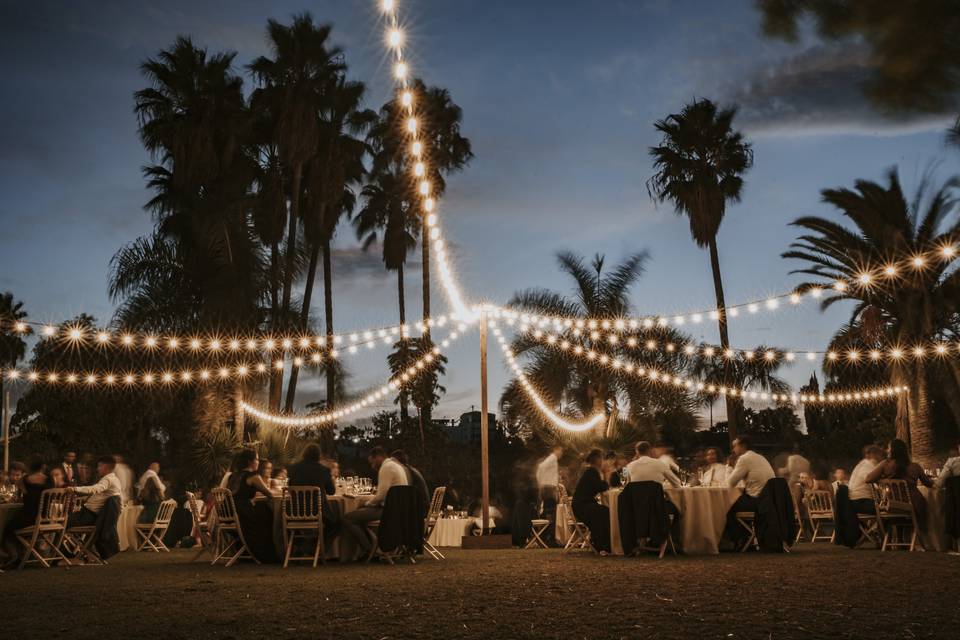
863	505
82	518
733	531
597	518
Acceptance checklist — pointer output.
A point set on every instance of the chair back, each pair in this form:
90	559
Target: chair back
819	503
893	496
54	508
436	504
194	505
225	507
561	493
302	504
165	513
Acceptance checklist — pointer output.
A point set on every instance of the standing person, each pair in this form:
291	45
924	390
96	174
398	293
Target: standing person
125	473
796	464
71	470
548	479
390	473
754	470
898	466
150	492
861	495
585	506
108	486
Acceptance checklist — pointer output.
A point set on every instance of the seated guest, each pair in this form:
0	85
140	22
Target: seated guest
278	479
898	466
150	492
664	453
951	467
754	471
108	486
416	478
861	495
57	478
390	473
265	471
256	518
714	472
585	506
839	478
647	469
33	485
310	472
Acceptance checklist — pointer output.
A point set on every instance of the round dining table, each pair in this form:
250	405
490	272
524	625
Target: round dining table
342	547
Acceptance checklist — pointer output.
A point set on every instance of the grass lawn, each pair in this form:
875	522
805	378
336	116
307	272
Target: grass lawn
817	591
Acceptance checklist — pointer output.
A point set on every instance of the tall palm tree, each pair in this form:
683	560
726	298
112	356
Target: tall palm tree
911	306
330	177
447	150
425	391
384	214
582	386
12	346
699	167
293	86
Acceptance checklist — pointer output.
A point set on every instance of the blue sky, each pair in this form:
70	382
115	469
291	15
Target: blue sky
559	99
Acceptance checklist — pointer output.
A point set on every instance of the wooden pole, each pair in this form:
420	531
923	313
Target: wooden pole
238	413
484	426
6	431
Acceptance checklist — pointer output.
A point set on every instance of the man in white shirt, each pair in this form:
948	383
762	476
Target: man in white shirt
839	479
714	473
107	487
951	468
125	474
647	469
390	473
754	470
664	453
151	480
548	479
860	492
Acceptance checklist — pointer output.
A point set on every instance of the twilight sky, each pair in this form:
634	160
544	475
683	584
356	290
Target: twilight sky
559	99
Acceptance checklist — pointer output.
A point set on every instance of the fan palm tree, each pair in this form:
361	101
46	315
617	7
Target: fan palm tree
905	306
699	166
330	177
744	371
425	391
12	346
582	386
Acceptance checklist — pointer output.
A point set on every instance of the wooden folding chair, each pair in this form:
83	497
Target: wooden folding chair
79	540
151	534
580	535
538	527
303	517
433	514
819	505
41	541
748	520
797	519
201	526
896	516
230	543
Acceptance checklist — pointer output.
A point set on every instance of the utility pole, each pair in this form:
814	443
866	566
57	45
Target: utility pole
484	426
6	431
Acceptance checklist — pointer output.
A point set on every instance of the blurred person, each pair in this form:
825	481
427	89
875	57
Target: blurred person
390	473
664	452
278	479
585	506
265	471
861	494
58	479
898	466
15	476
108	486
125	474
151	477
33	483
645	468
256	518
548	481
150	492
951	468
796	464
839	478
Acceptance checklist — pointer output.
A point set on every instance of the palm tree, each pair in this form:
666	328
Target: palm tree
425	391
330	177
384	212
699	167
446	149
743	371
583	386
907	306
12	346
293	87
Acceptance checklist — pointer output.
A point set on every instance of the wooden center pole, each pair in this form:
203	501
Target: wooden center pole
484	427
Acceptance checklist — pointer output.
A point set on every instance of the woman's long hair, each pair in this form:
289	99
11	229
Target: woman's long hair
900	456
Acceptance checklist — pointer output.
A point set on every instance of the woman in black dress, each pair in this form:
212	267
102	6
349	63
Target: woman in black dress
585	506
256	518
34	484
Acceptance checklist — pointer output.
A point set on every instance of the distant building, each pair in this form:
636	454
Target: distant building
467	431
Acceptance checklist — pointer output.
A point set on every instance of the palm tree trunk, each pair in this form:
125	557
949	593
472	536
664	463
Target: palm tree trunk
902	421
425	257
292	236
952	392
733	405
328	315
304	320
404	406
921	430
276	377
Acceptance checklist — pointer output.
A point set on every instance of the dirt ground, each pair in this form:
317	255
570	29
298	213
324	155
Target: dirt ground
816	592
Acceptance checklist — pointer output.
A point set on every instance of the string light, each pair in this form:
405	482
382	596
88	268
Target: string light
128	378
420	366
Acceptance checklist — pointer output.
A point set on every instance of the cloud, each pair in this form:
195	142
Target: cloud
820	92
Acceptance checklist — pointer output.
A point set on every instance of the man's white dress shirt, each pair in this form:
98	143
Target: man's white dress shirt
647	469
950	468
108	487
715	473
548	472
392	474
857	486
754	470
150	476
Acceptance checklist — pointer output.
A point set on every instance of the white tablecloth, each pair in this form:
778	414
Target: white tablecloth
127	526
449	532
703	515
937	538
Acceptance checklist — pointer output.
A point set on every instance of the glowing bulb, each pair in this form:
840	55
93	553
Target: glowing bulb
419	169
406	99
173	343
864	278
127	340
890	270
412	124
428	204
48	331
918	262
150	342
395	38
416	148
400	71
215	345
387	5
20	327
949	251
194	344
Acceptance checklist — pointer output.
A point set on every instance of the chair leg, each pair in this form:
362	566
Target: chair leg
288	536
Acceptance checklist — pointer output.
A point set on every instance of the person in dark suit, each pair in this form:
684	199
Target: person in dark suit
71	470
585	506
310	472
